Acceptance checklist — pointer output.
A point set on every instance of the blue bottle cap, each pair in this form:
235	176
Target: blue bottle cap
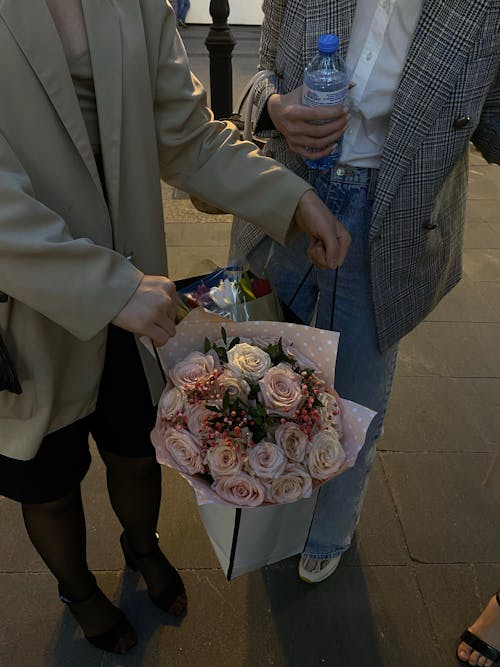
328	43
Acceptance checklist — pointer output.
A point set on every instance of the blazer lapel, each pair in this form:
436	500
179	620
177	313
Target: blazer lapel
44	52
105	43
443	38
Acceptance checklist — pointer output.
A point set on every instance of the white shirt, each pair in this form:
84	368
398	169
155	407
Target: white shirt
381	35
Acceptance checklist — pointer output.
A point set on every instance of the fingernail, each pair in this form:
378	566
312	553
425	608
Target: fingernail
345	108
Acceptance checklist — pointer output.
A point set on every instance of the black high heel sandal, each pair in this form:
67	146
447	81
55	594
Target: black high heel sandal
173	598
477	644
108	640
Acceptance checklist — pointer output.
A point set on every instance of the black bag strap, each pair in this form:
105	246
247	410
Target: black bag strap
300	285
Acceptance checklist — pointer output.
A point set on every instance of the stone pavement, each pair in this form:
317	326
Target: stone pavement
427	551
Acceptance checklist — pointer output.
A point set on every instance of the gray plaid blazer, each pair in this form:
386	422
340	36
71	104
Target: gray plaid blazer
449	94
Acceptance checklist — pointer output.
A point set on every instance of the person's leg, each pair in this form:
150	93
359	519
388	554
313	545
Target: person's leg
121	426
183	7
485	629
48	488
363	374
57	531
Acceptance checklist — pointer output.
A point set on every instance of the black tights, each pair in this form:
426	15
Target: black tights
57	529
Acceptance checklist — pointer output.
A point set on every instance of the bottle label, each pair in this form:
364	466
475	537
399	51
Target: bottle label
316	98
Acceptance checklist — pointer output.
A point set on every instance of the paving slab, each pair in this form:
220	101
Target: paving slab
467	302
420	356
482	210
379	539
452	602
481	235
419	420
464	349
482	265
491	292
214	234
359	617
483	182
488	392
446	515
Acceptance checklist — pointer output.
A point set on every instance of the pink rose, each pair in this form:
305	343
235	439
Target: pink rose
240	490
249	361
196	414
234	384
194	369
292	440
281	390
180	451
171	403
223	460
266	460
325	456
295	483
330	412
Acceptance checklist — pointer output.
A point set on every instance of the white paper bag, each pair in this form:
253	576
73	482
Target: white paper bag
247	539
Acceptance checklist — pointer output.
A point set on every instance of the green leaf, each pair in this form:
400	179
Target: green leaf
234	342
213	408
226	400
207	345
224	335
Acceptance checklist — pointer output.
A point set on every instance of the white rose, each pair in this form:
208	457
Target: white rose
240	490
295	483
171	403
325	456
223	460
330	412
249	361
281	390
180	451
266	460
234	384
196	414
193	370
292	440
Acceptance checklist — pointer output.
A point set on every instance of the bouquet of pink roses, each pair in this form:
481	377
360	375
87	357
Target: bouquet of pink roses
255	417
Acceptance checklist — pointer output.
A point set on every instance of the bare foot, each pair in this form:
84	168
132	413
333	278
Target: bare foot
487	628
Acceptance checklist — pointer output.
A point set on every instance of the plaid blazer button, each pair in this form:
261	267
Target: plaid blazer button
460	123
430	225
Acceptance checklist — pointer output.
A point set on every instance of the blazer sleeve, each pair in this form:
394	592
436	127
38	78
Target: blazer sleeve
73	282
206	158
486	138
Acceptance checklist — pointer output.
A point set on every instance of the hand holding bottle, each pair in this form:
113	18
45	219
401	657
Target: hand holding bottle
307	128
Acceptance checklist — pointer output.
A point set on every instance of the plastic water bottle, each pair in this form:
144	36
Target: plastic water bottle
325	82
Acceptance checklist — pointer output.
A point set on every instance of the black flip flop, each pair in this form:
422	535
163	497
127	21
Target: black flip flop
472	640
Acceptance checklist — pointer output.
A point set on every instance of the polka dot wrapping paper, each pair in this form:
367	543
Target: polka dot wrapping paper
318	345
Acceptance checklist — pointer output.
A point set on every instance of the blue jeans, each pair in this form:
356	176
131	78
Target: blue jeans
363	373
182	9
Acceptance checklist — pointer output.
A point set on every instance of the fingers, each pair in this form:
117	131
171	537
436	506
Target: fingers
151	310
330	240
307	129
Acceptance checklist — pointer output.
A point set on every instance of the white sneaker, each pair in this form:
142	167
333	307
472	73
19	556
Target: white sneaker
314	570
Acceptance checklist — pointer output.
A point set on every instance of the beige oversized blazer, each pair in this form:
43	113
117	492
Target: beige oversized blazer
63	249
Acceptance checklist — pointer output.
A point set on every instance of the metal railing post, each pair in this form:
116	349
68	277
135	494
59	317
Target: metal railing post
220	44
